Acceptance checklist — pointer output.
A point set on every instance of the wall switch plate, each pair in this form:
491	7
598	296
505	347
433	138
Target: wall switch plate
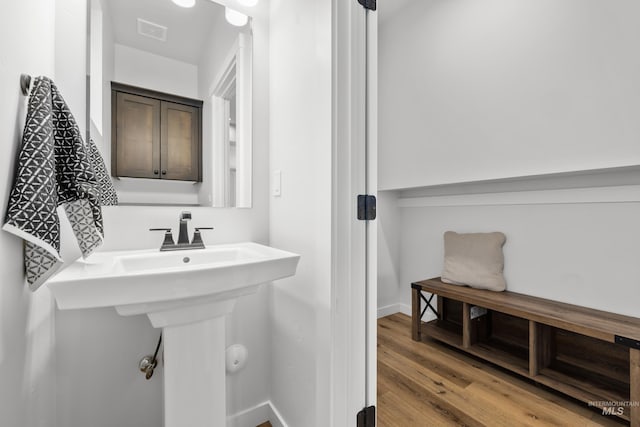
277	183
476	312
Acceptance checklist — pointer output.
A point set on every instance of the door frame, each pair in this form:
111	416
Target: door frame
354	256
236	74
372	189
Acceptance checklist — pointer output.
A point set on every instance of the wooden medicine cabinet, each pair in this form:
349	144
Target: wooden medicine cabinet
155	135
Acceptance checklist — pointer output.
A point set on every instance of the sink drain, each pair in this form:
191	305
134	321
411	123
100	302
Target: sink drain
186	259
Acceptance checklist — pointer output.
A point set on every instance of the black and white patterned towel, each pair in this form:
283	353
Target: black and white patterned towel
55	168
108	196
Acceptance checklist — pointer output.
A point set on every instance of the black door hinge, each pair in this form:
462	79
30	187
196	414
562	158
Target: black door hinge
368	4
367	417
366	207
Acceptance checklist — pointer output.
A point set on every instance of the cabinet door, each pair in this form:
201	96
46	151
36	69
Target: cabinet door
180	148
137	141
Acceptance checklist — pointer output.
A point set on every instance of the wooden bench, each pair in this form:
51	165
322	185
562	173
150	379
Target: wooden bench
591	355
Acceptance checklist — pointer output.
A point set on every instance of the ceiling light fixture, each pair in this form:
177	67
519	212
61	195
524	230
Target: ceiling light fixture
235	18
248	3
185	3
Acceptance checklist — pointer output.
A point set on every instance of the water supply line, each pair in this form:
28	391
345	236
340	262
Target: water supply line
148	363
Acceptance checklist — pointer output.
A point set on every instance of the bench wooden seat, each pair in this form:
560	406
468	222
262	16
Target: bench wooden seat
591	355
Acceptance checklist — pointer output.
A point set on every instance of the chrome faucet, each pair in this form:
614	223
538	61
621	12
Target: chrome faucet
183	236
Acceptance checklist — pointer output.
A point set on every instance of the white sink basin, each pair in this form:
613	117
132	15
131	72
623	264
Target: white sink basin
124	278
144	261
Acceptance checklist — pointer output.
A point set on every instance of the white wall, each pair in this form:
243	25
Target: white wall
27	357
391	292
300	219
583	254
503	89
479	90
98	351
143	69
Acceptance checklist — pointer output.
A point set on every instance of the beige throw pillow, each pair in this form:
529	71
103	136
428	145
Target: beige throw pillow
475	260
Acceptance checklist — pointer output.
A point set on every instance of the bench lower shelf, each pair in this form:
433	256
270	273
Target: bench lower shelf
491	351
578	387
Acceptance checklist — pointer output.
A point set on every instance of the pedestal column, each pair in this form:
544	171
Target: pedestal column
194	374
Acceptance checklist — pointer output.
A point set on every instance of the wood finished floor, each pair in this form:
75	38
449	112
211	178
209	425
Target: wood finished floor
430	384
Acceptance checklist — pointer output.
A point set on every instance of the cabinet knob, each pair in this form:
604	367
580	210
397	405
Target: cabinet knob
155	171
164	172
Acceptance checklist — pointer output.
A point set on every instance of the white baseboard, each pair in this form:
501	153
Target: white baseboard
250	417
276	419
394	308
257	415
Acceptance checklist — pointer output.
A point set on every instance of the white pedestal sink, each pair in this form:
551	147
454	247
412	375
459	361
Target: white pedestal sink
187	294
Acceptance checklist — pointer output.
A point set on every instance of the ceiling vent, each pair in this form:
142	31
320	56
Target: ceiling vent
153	30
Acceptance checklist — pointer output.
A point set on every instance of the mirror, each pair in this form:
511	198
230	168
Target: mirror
192	53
